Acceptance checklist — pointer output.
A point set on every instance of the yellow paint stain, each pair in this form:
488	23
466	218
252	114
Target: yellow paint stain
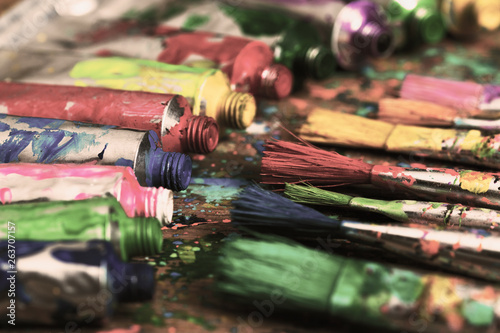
472	139
415	138
475	182
442	299
326	126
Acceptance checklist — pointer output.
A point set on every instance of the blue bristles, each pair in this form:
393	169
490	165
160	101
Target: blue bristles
258	207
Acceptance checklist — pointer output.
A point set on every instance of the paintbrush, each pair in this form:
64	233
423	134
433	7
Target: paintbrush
472	98
409	211
287	162
465	146
473	252
277	274
410	112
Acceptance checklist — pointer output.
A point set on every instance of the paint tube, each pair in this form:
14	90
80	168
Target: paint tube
248	64
414	22
61	283
42	140
168	115
82	220
351	44
24	182
207	90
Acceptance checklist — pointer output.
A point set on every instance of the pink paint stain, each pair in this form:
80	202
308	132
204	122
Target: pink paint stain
5	195
431	248
133	329
299	103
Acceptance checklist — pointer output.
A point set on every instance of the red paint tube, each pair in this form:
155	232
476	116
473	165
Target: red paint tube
168	115
248	63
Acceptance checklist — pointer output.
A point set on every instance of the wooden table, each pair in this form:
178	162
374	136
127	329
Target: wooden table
184	301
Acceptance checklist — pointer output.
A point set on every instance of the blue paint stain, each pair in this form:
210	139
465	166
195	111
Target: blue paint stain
3	115
124	162
259	146
4	127
168	315
48	147
15	144
41	122
101	154
177	243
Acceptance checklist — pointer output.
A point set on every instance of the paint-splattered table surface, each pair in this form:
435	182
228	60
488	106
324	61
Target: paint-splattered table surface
184	301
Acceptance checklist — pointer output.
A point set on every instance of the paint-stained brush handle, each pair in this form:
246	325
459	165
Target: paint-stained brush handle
434	213
472	188
471	252
461	146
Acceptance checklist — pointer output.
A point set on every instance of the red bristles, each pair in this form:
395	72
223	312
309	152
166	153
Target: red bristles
287	162
463	96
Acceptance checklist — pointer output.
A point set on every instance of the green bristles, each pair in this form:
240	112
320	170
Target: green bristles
308	194
278	269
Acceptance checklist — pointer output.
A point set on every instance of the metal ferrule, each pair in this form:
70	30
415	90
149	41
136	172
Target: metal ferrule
470	252
407	301
51	291
445	185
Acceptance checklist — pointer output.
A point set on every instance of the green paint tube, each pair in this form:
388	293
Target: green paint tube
287	276
96	218
414	22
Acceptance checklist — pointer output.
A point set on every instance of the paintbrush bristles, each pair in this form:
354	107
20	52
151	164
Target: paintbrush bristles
315	196
258	207
325	126
409	112
287	162
459	95
255	269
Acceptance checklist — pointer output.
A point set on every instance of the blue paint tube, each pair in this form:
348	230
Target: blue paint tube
67	283
41	140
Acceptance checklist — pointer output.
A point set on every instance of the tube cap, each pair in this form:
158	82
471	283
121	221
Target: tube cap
239	110
138	280
202	134
276	81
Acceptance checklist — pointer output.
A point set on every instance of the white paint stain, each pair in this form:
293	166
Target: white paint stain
4	109
68	105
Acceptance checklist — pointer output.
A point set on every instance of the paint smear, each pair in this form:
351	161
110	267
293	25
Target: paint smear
475	182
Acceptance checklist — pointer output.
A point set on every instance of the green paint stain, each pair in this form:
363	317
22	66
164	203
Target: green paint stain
215	192
483	150
195	320
365	111
372	74
147	315
479	67
478	314
405	285
195	21
432	52
105	68
435	205
253	23
392	209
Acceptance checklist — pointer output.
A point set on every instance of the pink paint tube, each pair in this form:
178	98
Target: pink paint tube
248	63
168	115
22	182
